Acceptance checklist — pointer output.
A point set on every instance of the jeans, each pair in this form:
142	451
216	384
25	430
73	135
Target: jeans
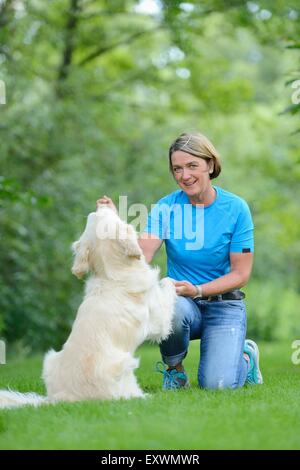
221	326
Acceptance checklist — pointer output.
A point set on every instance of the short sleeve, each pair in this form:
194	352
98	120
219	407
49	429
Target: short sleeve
242	240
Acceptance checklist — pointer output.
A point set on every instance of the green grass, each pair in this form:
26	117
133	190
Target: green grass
257	417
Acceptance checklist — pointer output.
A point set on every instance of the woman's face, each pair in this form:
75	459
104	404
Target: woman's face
190	172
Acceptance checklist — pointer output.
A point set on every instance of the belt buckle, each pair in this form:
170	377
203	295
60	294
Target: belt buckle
216	297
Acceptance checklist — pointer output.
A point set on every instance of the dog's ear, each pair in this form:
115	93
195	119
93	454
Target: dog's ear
81	260
130	244
81	248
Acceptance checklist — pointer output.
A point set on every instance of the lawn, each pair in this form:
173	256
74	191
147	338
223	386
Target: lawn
255	417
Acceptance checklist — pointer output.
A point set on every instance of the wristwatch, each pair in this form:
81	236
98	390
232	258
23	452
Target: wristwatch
199	292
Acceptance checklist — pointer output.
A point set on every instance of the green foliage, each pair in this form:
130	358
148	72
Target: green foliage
96	91
273	312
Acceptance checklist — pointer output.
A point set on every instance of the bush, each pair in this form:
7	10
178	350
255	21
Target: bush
273	311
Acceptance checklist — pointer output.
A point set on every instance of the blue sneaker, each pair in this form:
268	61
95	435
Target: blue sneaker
254	376
172	379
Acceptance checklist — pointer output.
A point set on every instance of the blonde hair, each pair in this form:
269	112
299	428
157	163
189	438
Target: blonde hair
198	145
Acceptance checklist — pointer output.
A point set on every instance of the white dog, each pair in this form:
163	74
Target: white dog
124	304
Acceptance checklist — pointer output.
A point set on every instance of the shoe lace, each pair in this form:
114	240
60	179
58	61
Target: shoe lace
172	377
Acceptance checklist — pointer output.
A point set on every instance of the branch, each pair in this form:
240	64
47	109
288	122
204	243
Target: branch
119	83
71	25
5	10
103	50
101	13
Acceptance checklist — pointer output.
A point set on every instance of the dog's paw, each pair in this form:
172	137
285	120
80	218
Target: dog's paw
167	282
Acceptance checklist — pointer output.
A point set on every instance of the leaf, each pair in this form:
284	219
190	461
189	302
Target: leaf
292	109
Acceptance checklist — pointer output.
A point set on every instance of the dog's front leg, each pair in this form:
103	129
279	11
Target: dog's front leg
161	310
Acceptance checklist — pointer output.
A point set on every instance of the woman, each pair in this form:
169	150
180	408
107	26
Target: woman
208	233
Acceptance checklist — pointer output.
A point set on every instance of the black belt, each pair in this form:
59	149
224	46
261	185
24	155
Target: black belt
233	295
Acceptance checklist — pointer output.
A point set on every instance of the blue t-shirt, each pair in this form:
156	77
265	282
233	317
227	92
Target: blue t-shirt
199	239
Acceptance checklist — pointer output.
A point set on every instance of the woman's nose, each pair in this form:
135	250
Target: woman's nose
185	175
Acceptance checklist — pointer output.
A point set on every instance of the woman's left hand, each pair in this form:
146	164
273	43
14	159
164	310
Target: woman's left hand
185	288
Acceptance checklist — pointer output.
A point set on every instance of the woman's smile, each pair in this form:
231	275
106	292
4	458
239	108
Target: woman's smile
189	184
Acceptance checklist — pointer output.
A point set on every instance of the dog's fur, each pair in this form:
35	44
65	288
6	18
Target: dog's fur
124	304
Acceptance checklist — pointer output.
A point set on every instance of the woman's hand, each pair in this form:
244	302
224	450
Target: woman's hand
185	288
106	200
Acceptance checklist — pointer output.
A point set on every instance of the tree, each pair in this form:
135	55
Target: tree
96	90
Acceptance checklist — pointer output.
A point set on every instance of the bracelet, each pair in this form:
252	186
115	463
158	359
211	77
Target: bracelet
199	292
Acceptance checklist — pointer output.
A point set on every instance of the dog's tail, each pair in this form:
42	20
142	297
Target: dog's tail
11	399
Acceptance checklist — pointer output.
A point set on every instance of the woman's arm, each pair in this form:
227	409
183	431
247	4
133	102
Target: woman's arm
149	244
241	267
